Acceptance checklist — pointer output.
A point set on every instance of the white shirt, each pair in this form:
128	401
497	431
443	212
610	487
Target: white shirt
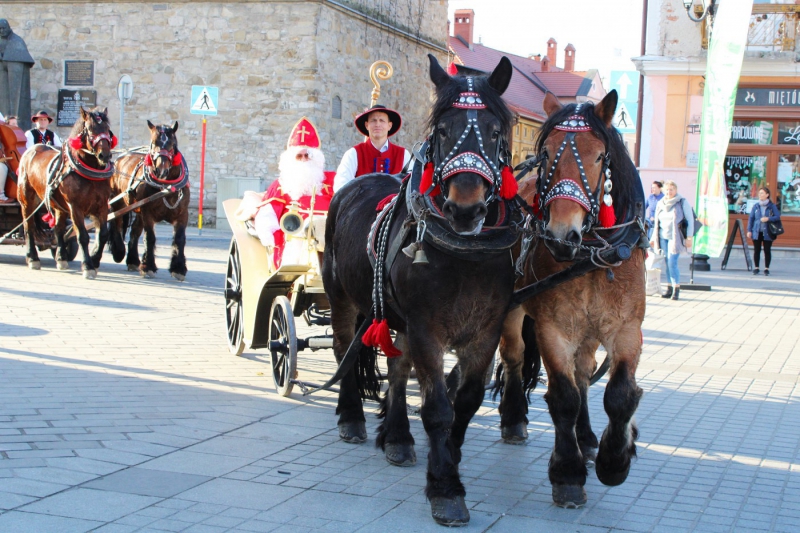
349	164
30	143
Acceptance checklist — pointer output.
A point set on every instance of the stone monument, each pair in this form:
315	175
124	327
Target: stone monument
15	76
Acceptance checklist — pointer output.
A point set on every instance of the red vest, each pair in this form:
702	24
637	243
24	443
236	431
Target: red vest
370	159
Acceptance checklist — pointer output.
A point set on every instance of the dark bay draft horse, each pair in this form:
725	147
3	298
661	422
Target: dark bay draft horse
160	170
72	183
584	165
455	213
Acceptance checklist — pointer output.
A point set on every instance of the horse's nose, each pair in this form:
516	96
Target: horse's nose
563	249
472	213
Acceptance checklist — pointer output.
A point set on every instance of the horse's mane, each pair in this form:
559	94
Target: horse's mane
449	93
77	128
623	172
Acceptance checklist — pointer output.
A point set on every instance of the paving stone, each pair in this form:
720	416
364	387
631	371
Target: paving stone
147	482
41	523
90	504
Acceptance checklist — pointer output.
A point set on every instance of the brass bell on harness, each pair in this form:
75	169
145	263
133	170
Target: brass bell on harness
415	250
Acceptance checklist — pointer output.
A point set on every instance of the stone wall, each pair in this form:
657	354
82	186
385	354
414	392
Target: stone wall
273	61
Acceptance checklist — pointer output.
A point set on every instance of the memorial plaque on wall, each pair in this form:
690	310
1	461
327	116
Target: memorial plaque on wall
79	73
69	105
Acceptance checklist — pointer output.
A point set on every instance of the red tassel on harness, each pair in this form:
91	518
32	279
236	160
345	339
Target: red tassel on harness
49	219
427	181
377	334
114	141
383	203
607	217
177	159
75	143
508	185
148	160
452	69
535	206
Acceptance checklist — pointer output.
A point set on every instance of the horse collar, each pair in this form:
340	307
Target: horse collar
85	171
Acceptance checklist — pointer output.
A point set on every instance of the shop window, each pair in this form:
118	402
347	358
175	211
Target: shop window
744	174
336	107
789	133
787	197
751	132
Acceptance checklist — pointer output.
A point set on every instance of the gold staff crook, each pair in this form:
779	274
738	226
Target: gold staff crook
379	70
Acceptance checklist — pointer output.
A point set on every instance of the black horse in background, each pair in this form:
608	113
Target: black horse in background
458	300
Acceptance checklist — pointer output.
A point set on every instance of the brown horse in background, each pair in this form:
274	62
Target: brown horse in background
77	187
581	156
140	175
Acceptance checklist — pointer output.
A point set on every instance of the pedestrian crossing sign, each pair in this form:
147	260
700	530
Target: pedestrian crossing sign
204	100
625	117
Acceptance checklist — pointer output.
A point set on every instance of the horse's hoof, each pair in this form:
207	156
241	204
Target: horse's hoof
516	434
569	496
353	432
611	476
148	274
133	268
450	512
589	457
90	274
179	277
62	265
401	454
35	265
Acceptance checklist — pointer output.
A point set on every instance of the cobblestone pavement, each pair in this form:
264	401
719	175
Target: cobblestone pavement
121	410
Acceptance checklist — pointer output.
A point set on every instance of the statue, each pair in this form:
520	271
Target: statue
15	77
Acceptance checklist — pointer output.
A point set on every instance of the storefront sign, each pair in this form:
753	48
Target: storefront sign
69	105
725	53
79	73
767	97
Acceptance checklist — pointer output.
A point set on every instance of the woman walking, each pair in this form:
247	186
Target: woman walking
671	210
761	215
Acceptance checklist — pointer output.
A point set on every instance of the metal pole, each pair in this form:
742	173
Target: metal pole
202	177
122	121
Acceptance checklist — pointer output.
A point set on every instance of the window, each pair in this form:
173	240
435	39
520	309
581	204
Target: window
787	197
744	174
336	107
789	133
751	132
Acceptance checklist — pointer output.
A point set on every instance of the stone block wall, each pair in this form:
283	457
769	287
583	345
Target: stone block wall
273	61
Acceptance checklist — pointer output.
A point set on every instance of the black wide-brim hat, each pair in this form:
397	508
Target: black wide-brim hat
394	118
42	114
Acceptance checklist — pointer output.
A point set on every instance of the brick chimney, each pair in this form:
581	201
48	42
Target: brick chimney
546	64
552	51
464	24
569	58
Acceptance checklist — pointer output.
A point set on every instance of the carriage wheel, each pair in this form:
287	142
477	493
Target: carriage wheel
283	345
234	312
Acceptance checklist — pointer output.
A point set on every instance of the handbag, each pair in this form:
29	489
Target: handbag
683	225
775	229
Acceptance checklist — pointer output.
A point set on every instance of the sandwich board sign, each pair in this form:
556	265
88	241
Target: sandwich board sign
205	100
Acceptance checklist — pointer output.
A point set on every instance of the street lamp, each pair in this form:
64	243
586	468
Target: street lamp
702	10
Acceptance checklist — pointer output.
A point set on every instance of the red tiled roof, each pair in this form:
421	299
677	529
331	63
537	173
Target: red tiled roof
566	84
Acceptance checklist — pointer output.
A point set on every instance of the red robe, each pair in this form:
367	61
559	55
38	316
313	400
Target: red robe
281	202
370	159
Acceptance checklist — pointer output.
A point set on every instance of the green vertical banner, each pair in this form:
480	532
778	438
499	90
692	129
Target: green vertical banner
724	64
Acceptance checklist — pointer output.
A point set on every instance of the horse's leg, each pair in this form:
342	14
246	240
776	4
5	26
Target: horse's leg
352	423
101	238
567	470
585	367
444	488
117	237
513	403
148	267
31	202
617	445
394	433
87	265
177	265
62	263
132	260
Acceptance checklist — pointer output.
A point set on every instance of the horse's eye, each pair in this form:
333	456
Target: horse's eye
441	132
599	158
495	135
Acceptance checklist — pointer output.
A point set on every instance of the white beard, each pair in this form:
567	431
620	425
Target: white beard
301	178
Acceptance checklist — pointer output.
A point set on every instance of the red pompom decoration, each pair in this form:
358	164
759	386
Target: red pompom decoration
607	217
452	69
114	141
535	206
49	219
427	181
508	184
177	160
75	143
378	334
148	160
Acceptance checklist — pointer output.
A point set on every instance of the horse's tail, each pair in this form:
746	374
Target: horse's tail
368	375
531	366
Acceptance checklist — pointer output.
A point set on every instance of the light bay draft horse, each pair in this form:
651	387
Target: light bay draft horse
589	198
457	298
73	182
160	170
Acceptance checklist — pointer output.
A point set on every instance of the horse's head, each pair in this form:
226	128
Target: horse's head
163	153
574	182
92	135
468	148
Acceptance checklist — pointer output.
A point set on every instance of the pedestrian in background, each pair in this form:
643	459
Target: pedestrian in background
761	215
667	237
652	200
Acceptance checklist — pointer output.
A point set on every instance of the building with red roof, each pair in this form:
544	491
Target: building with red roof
532	78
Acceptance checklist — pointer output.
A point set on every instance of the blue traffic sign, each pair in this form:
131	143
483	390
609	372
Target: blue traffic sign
626	82
205	100
625	117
